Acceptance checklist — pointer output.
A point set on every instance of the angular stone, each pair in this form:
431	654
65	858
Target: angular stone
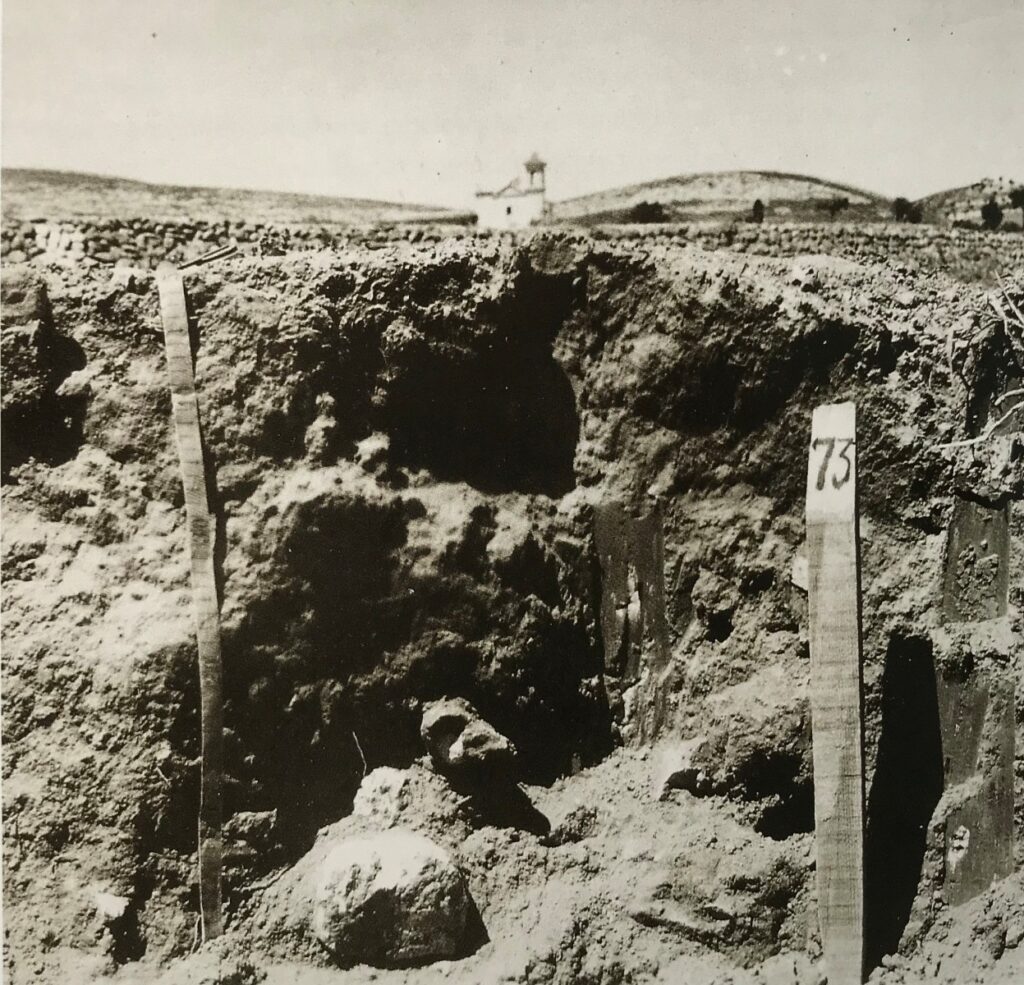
257	828
713	597
460	741
383	795
27	337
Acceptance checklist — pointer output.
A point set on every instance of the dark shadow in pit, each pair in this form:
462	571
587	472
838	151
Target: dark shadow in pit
51	431
476	933
906	789
128	942
502	421
781	781
502	804
486	402
792	812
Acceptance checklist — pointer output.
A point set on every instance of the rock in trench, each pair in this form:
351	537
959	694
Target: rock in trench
390	898
461	742
383	795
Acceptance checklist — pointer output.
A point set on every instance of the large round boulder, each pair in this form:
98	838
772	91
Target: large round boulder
390	898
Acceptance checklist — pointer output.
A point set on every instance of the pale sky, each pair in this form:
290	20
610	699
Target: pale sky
428	100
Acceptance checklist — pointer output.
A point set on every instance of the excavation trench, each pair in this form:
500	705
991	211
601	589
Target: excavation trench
413	452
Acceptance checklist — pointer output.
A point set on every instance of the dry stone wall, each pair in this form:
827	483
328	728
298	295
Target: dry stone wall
967	254
145	242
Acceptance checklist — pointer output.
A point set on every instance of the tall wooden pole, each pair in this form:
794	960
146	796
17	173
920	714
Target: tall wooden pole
834	610
202	536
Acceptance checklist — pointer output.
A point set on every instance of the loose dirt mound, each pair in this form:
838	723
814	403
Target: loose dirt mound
408	446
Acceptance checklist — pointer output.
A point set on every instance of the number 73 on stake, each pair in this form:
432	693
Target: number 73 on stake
841	463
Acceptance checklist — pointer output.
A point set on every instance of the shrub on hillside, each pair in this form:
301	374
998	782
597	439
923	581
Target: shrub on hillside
991	214
837	204
648	212
903	210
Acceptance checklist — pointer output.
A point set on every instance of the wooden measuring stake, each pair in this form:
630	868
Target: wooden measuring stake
202	535
833	593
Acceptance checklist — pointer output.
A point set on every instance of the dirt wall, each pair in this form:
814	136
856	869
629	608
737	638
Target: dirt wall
406	448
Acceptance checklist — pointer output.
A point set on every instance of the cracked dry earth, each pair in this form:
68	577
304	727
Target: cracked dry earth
411	450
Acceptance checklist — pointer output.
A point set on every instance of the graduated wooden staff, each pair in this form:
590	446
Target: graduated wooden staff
202	536
833	593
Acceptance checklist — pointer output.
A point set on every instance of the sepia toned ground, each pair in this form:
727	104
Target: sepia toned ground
407	445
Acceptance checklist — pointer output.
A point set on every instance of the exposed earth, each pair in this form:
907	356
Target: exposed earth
559	476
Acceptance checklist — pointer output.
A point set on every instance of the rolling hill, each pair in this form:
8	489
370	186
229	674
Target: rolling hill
726	195
963	205
30	193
